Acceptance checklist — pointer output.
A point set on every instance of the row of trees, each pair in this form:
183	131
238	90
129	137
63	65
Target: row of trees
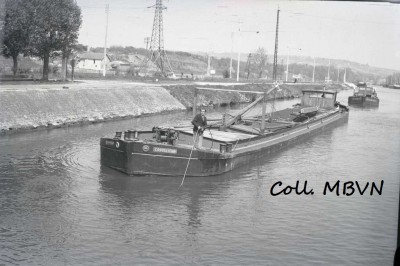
41	28
393	79
257	63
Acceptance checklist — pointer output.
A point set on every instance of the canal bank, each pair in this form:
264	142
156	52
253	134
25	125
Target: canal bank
39	106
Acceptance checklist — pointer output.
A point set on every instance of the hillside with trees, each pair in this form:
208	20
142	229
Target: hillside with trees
260	66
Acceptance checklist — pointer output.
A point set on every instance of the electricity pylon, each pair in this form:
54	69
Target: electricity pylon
156	52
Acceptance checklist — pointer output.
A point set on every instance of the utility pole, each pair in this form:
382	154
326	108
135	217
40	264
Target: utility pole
287	66
209	65
338	74
276	48
146	41
329	69
105	44
238	62
156	52
230	65
313	72
248	65
287	62
239	42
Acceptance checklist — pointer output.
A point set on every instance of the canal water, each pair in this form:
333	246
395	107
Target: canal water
58	206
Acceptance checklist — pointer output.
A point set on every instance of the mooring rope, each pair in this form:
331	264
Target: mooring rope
190	156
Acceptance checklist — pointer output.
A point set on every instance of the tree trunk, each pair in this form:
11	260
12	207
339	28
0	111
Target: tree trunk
15	66
73	68
63	67
66	66
46	60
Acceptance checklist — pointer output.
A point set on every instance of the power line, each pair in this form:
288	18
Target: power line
105	42
340	19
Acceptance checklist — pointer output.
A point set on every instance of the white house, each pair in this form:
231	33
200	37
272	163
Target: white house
93	61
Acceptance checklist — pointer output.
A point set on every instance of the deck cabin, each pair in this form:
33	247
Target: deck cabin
324	99
363	90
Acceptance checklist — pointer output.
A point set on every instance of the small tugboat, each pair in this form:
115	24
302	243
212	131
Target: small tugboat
228	143
364	96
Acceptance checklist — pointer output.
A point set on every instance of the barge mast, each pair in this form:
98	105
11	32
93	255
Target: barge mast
275	66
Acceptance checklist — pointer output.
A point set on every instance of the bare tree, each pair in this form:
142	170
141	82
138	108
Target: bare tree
260	60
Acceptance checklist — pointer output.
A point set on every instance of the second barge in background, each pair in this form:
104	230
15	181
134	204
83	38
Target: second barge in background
364	96
233	141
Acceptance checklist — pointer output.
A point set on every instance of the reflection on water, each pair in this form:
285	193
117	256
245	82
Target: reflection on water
59	206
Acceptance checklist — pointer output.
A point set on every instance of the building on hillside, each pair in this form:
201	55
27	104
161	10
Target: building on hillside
120	65
137	61
93	61
298	78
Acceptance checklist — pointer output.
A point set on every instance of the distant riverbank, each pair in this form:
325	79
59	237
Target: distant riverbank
32	106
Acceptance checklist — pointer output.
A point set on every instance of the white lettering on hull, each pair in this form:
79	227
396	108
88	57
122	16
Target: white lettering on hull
165	150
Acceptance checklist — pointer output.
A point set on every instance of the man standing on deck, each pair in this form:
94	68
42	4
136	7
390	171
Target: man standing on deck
199	124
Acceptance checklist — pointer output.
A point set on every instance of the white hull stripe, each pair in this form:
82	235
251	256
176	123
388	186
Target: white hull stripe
165	156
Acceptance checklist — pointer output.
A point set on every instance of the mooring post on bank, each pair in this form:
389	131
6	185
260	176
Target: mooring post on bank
195	101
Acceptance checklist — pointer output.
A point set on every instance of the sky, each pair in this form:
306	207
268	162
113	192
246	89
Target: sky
363	32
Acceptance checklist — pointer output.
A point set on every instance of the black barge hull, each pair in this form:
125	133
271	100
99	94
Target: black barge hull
142	157
363	101
149	158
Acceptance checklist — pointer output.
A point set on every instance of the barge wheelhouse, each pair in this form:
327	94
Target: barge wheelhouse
364	96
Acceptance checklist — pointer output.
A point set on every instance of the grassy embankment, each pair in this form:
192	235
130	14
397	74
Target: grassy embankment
41	108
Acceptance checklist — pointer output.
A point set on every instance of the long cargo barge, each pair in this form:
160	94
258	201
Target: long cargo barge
227	144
